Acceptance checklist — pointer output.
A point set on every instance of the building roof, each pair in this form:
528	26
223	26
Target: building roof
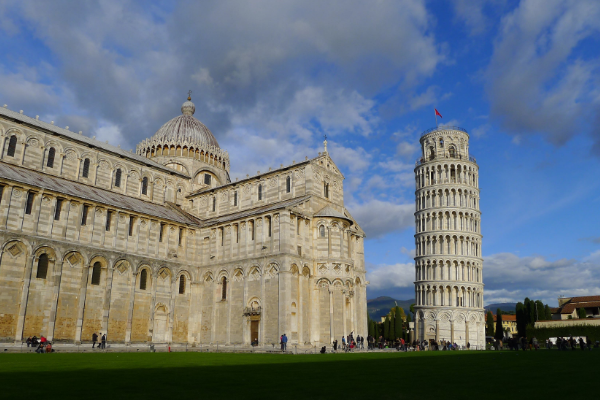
329	211
254	211
584	299
507	318
186	128
36	123
85	192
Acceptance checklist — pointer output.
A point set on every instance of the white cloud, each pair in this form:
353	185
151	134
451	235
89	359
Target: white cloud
378	218
536	81
391	277
471	14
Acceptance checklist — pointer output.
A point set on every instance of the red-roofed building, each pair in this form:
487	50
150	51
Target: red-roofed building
568	306
509	323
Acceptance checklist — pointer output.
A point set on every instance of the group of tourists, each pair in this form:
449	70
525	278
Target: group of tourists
102	344
565	344
523	343
349	343
283	339
42	344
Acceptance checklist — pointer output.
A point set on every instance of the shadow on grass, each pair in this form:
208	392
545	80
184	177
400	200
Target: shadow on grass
533	375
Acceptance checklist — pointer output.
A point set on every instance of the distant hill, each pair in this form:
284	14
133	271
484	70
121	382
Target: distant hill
508	307
381	306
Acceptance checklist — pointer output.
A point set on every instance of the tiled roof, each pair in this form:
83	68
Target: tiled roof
254	211
584	299
85	192
507	317
4	112
329	211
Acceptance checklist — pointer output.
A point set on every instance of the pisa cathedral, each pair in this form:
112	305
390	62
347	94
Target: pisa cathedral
160	246
448	262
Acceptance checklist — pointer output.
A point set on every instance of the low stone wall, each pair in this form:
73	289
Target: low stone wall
568	323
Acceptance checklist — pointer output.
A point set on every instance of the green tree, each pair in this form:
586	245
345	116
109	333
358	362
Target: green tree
489	330
499	330
399	323
530	311
581	313
521	318
386	327
540	311
547	312
390	335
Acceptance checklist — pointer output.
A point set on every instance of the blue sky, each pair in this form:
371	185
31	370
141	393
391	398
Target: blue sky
270	78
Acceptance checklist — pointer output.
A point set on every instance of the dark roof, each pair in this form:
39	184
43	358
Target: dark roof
257	210
85	192
584	299
4	112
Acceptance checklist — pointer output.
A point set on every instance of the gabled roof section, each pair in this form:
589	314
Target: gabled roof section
37	124
85	192
255	211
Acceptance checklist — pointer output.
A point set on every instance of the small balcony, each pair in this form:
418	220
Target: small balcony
250	311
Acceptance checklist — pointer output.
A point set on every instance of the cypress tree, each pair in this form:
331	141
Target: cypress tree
398	324
521	318
499	329
539	310
391	328
547	311
489	331
386	327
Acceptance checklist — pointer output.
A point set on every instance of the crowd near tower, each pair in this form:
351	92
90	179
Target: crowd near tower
448	262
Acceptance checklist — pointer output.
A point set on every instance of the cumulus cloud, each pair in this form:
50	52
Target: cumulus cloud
507	278
471	14
378	218
538	80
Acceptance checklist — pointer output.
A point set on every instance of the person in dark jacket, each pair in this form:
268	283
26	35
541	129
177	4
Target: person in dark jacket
94	339
284	340
104	341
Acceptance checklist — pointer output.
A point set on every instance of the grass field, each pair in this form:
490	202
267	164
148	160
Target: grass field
424	375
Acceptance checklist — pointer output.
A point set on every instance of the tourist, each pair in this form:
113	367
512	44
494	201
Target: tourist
49	347
28	341
335	342
323	350
284	340
40	349
589	343
104	341
403	344
343	343
581	343
381	342
94	339
468	345
254	342
524	343
362	342
34	341
43	340
534	341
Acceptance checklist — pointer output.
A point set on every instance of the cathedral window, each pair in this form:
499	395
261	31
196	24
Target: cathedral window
12	146
259	192
298	226
224	289
84	214
42	269
1	192
251	227
118	178
182	284
235	201
322	231
57	209
143	279
131	220
160	233
145	186
29	203
108	219
326	190
222	234
288	184
96	273
214	206
207	179
180	235
51	154
300	251
86	168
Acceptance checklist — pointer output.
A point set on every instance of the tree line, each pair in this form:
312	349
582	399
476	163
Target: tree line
530	311
394	325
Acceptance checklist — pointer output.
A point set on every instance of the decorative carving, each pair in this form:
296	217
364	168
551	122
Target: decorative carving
246	188
103	165
164	274
276	218
122	267
213	233
46	199
73	259
203	201
323	269
254	275
33	142
143	222
15	250
238	276
17	193
71	155
337	269
272	182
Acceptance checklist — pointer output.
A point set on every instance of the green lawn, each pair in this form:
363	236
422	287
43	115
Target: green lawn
181	376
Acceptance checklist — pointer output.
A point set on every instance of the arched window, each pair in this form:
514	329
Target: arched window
145	185
118	178
322	231
143	279
214	203
42	270
288	184
96	272
12	146
51	154
441	142
431	154
182	284
452	152
86	168
260	192
235	199
224	289
326	190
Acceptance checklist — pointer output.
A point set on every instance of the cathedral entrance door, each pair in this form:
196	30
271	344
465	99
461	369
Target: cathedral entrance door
253	331
160	325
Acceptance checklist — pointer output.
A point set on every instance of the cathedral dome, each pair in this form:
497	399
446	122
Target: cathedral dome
186	128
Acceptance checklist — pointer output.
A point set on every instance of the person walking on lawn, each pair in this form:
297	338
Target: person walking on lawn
94	339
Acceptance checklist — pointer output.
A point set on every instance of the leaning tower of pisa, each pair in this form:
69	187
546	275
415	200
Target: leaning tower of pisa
448	262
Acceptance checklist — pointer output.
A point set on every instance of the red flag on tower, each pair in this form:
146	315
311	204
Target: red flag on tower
437	112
